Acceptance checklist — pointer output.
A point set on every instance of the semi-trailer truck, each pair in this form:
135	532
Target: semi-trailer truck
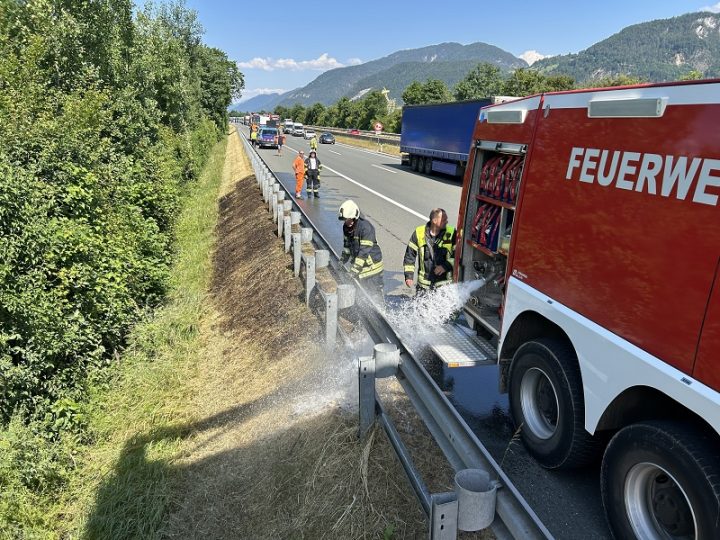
436	137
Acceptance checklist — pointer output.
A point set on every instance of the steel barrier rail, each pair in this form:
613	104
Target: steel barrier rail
391	139
454	437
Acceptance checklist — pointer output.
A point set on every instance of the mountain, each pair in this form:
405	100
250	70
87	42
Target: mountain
262	102
399	69
660	50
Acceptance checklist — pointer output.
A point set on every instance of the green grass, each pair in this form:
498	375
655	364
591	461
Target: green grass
117	480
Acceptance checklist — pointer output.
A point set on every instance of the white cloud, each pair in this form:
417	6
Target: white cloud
321	63
713	9
532	56
354	61
250	93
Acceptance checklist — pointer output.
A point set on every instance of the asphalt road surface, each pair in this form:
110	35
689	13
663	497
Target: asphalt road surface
397	200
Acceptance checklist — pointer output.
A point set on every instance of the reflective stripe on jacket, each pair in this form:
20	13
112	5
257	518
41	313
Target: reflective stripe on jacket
361	247
442	253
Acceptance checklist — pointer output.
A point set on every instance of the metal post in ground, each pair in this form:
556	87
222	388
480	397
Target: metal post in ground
297	252
309	276
443	516
366	387
287	232
272	205
330	318
279	221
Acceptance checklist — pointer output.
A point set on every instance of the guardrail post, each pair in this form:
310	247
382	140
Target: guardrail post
287	232
346	295
309	276
330	318
307	234
279	220
272	205
443	516
294	218
387	359
322	258
366	392
297	252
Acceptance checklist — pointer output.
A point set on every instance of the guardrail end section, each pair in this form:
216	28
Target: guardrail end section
366	384
443	516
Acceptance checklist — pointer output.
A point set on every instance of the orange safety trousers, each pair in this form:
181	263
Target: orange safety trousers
299	178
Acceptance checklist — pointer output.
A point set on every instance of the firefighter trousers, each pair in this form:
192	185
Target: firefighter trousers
313	181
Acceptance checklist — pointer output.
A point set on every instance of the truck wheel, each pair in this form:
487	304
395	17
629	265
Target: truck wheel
414	162
421	164
428	166
546	403
661	480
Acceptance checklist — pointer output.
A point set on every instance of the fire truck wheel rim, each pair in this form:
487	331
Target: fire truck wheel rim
539	403
657	506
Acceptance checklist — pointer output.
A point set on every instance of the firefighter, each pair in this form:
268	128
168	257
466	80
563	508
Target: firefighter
313	168
253	137
313	143
299	170
433	247
360	247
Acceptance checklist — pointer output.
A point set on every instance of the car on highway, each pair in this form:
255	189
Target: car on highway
267	136
327	138
354	131
298	130
309	134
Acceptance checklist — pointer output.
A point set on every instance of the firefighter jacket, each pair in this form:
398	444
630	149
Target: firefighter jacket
430	252
361	247
318	165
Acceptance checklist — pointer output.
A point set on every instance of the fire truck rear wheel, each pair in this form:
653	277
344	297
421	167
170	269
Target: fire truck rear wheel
546	402
661	480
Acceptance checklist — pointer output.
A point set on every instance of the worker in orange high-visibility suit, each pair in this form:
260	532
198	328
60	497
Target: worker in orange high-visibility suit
299	169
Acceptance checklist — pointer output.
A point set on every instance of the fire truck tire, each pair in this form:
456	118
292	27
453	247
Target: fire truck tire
428	166
546	402
414	162
661	480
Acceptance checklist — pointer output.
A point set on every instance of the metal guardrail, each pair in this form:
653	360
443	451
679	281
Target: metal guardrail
392	139
463	450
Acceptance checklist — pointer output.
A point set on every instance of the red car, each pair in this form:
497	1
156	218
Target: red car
354	131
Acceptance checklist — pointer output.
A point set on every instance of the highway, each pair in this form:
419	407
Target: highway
397	200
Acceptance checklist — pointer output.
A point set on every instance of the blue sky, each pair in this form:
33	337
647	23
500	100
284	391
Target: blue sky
280	45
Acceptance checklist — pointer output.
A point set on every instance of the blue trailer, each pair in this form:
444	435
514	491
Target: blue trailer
437	137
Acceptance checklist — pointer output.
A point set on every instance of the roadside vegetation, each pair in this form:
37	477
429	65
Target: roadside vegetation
106	121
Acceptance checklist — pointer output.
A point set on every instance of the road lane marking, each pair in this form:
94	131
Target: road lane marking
334	152
373	152
383	168
388	199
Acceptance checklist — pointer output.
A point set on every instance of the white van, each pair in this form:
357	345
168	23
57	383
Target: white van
298	129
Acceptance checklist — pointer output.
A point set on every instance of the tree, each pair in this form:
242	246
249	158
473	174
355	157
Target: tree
616	80
370	109
314	113
523	82
431	91
483	81
692	75
297	113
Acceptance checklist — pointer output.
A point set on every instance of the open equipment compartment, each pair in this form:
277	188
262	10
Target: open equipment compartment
493	193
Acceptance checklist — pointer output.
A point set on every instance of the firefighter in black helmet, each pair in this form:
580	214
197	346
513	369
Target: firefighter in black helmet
361	248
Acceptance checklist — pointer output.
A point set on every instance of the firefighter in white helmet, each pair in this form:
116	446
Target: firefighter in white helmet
361	248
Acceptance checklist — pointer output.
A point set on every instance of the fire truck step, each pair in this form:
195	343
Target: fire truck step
457	348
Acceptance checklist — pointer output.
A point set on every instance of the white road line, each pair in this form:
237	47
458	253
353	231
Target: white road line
383	168
388	199
373	152
334	152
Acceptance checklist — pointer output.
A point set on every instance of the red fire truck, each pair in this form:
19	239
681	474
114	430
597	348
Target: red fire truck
593	217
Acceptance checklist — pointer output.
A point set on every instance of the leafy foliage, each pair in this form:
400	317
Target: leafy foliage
482	81
431	91
103	119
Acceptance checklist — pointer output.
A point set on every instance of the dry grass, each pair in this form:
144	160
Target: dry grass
390	149
273	452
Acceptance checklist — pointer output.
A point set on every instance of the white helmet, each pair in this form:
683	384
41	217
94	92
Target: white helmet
348	210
